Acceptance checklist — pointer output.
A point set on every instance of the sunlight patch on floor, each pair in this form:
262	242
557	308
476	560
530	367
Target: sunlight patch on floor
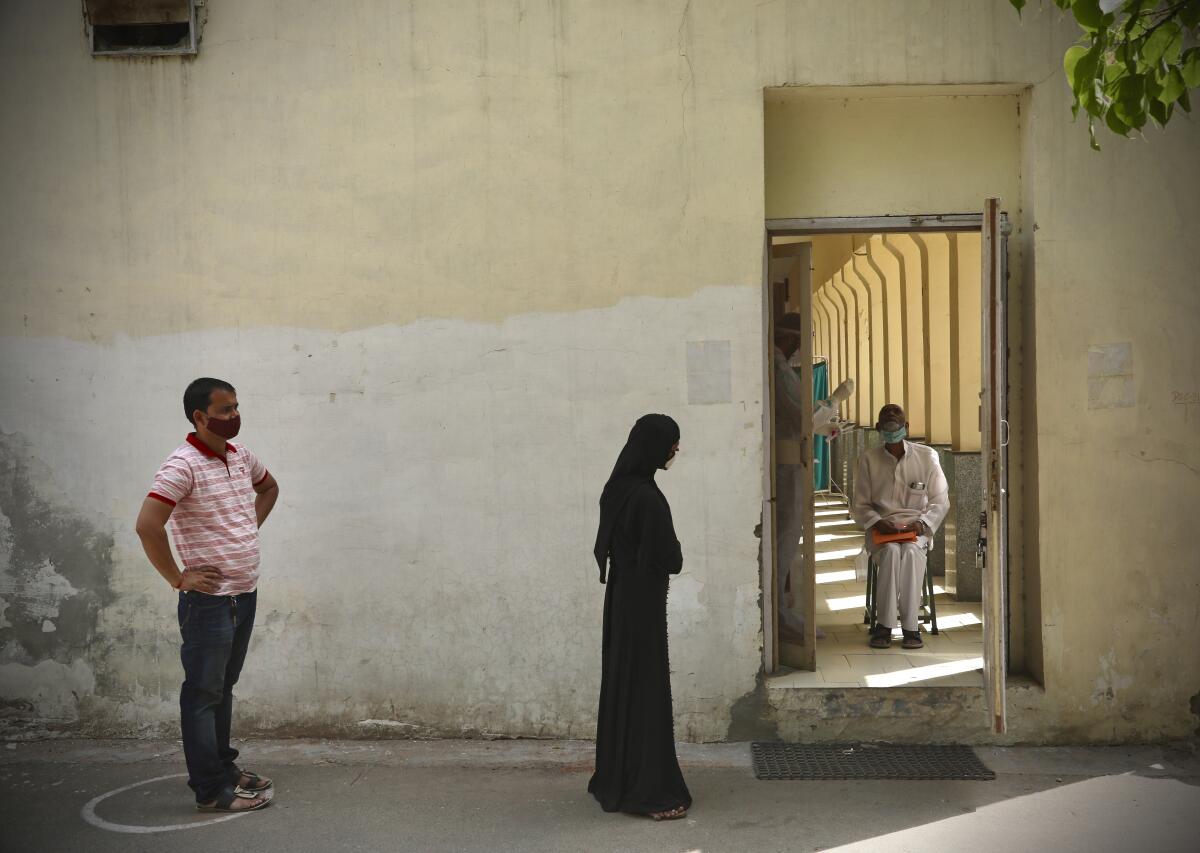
833	537
958	620
826	556
924	673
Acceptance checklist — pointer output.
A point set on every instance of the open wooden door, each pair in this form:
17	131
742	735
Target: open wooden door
788	288
767	581
804	561
995	431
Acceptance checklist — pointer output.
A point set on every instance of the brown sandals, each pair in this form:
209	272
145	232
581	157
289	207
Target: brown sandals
226	798
671	814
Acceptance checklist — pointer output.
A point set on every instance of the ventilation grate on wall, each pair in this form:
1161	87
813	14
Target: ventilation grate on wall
141	27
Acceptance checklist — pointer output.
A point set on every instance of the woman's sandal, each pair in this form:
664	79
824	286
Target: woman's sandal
226	797
257	784
671	814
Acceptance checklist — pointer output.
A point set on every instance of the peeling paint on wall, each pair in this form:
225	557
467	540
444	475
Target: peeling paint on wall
47	689
1110	376
1110	682
55	571
450	492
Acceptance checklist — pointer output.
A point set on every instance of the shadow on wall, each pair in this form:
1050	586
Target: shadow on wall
55	573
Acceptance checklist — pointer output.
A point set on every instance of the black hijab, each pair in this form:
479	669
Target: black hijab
646	450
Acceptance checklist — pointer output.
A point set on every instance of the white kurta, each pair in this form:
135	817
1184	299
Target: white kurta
900	491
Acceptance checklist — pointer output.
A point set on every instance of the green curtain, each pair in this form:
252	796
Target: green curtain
821	444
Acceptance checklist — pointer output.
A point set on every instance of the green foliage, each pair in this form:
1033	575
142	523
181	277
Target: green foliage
1134	63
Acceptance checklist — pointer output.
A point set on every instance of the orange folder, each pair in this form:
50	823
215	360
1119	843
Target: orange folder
884	538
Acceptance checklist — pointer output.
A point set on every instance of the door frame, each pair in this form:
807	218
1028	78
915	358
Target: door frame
995	432
811	226
878	224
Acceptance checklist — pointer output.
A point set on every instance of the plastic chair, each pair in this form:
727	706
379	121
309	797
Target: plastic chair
928	602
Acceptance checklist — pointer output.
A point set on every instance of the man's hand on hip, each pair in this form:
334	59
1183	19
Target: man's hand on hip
206	579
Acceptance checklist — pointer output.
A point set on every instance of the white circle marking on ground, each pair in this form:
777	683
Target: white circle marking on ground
88	813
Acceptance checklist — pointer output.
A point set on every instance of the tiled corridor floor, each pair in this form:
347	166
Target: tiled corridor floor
952	658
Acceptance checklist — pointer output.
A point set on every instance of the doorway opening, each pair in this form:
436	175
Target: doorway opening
895	310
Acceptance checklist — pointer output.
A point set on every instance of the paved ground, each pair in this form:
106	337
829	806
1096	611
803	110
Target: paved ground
530	796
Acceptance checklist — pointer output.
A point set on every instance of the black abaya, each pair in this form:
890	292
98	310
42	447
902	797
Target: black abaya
636	767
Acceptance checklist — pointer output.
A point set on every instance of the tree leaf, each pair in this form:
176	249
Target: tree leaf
1153	87
1190	15
1133	114
1173	87
1088	14
1160	112
1129	102
1087	68
1115	124
1163	43
1124	55
1095	101
1190	66
1135	61
1133	14
1071	59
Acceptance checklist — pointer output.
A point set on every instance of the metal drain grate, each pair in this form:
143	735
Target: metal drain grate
866	761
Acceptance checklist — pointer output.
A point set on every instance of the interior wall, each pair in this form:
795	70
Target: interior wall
915	277
965	367
873	156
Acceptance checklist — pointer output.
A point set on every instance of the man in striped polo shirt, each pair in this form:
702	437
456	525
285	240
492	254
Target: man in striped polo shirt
214	496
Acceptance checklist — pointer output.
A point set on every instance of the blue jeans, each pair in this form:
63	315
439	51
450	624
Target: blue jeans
216	633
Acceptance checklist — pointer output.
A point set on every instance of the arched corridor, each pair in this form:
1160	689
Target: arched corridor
898	313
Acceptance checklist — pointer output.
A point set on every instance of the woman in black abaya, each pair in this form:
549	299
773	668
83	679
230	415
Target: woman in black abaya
636	767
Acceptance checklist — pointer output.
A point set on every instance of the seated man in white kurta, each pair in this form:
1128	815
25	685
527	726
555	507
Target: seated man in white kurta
900	492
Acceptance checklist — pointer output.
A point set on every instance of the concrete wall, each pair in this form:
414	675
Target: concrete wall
448	252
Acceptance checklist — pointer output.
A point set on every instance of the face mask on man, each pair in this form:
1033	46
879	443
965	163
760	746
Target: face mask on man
225	428
893	432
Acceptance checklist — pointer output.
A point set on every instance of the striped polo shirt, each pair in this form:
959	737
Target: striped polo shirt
213	521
